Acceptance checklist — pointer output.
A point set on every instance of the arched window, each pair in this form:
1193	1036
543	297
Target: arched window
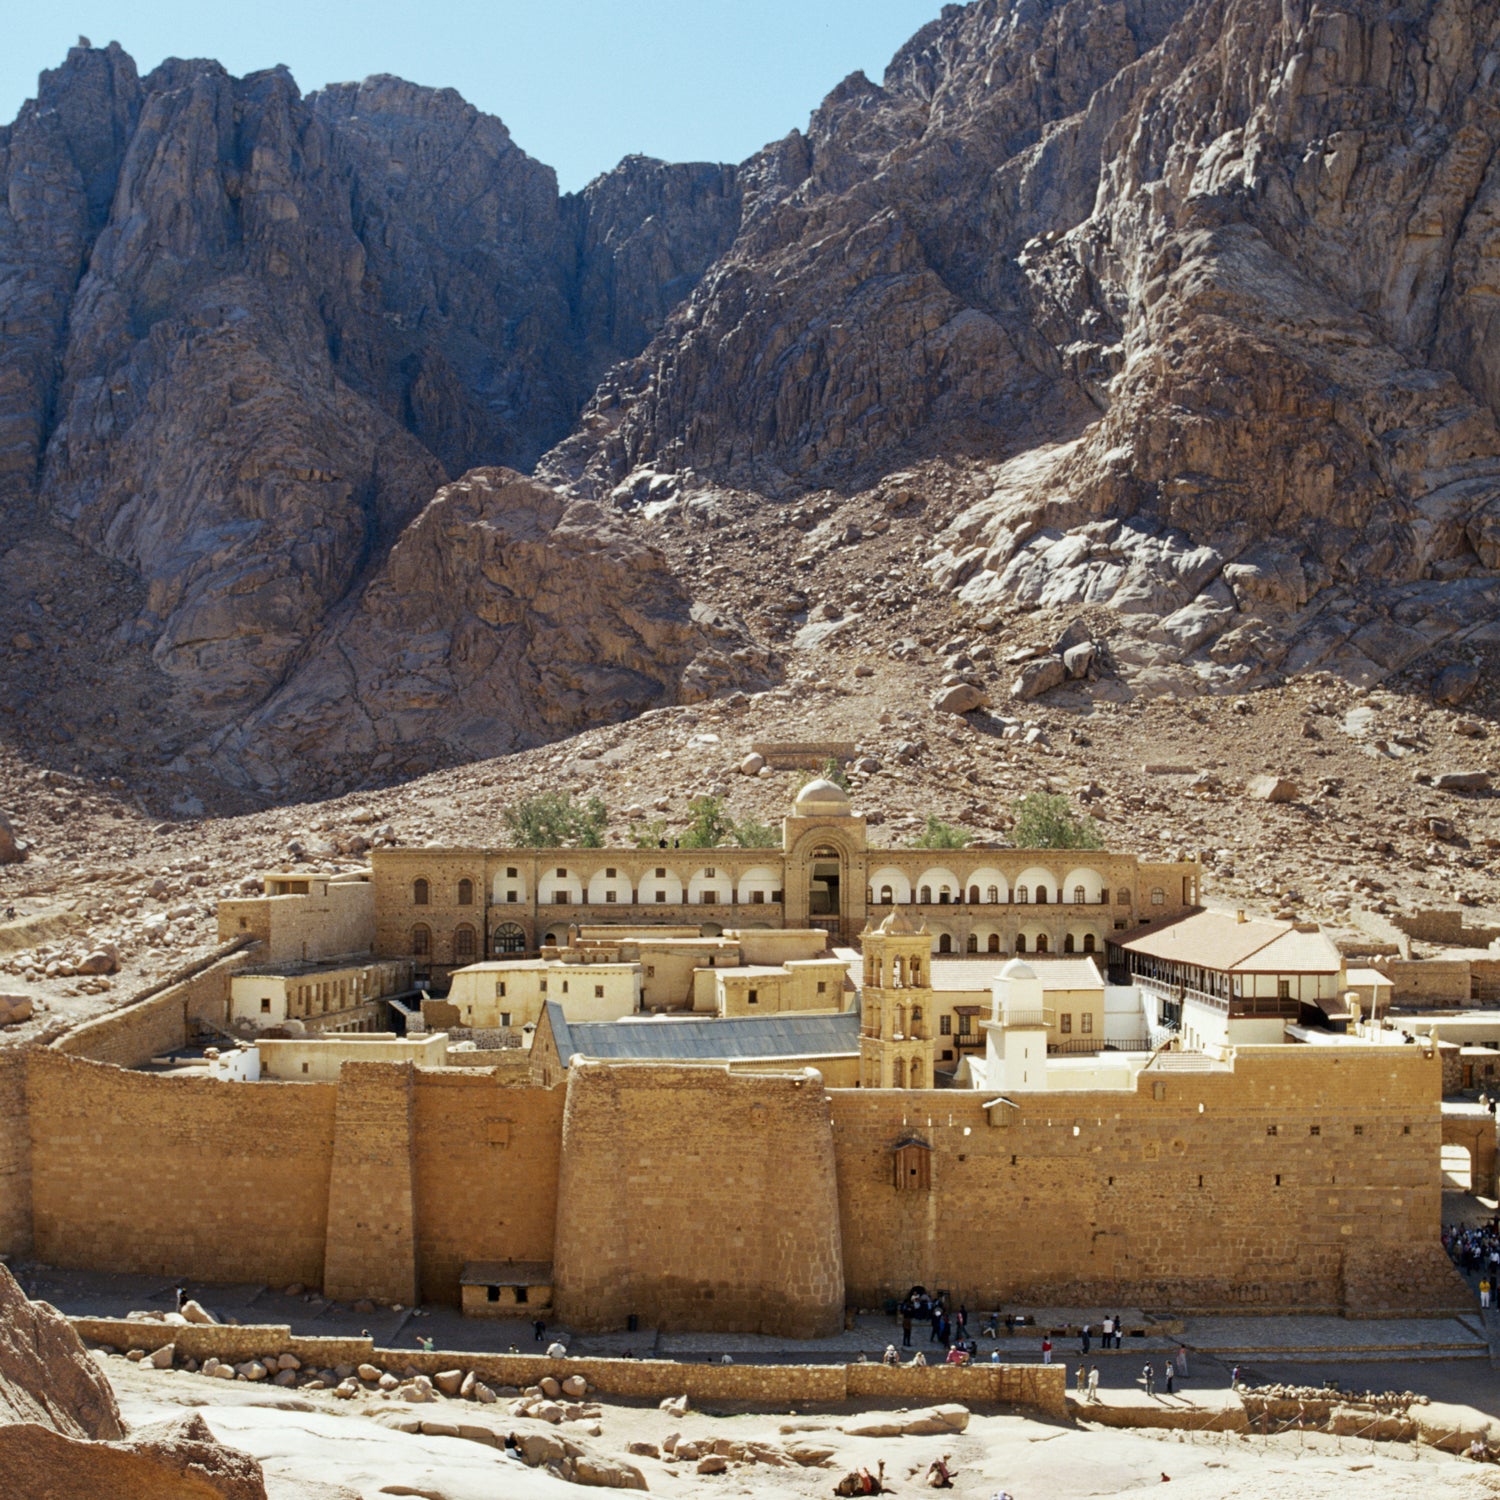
916	1021
926	895
992	895
510	937
972	946
1041	942
1088	942
421	939
1041	895
994	943
887	895
463	944
1080	895
945	943
421	892
973	895
1023	896
1020	942
945	896
466	892
914	1078
1068	943
898	1074
1122	898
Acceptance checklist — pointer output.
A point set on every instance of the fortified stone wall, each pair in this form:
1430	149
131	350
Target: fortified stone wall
1265	1186
1418	982
15	1155
698	1198
178	1176
487	1159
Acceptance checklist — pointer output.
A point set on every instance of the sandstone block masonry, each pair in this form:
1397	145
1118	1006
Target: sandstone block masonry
697	1198
1297	1178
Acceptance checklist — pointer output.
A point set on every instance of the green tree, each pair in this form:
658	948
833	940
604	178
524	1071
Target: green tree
752	834
831	771
939	835
710	826
552	820
1046	821
650	835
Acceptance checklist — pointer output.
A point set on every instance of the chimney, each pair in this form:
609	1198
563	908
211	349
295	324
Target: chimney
1239	916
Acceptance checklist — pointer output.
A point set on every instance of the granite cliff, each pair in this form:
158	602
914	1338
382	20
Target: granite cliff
1172	319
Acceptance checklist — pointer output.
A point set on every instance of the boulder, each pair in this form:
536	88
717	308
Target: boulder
195	1312
449	1382
1455	684
12	851
1078	659
1271	789
549	1387
288	1362
575	1386
950	1417
961	698
1462	781
103	960
1038	677
712	1463
161	1359
369	1372
14	1009
753	764
483	1394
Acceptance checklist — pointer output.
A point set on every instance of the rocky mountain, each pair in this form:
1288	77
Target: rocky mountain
1170	321
249	334
1206	287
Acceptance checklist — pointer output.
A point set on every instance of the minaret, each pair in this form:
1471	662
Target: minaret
895	1041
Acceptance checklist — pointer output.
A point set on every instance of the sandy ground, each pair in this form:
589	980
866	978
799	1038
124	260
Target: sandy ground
314	1448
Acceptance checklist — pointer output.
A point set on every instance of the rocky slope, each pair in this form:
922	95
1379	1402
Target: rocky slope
1204	286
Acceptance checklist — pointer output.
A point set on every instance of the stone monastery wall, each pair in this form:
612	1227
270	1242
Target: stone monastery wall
1296	1180
699	1198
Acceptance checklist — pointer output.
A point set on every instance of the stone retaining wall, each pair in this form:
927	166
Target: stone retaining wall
1038	1387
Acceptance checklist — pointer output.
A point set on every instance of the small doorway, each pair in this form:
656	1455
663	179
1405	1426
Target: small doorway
823	884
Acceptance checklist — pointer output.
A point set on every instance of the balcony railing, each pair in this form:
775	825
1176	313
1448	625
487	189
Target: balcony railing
1076	1046
1027	1018
1233	1006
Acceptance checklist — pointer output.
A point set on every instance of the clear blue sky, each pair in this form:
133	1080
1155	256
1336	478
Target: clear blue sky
580	83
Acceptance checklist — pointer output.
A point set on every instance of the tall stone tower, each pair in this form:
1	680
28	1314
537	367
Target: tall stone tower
895	1041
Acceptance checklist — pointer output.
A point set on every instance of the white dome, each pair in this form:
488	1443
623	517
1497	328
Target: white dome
822	798
1018	968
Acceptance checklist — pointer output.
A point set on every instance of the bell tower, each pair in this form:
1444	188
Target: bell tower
895	1041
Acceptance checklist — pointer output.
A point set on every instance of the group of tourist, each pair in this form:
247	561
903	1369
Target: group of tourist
949	1326
1475	1250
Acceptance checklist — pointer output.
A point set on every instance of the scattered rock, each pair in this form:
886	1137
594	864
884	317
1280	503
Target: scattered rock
1271	789
1455	684
1462	781
961	698
1038	677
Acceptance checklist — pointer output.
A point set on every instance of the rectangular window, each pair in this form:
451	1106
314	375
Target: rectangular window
499	989
304	1067
512	895
964	1023
523	1294
661	872
544	987
492	1294
565	987
1283	989
562	872
1065	1022
757	898
948	1055
598	992
510	872
505	1018
822	987
1359	1130
945	1025
661	898
753	997
609	895
710	898
609	874
1315	1130
1273	1129
265	1005
1086	1023
650	971
710	871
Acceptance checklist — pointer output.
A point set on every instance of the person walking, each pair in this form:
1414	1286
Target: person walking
1484	1291
1148	1377
937	1323
539	1329
1108	1332
1169	1375
1093	1382
1182	1361
1083	1339
1234	1378
1083	1380
906	1325
1119	1329
1046	1351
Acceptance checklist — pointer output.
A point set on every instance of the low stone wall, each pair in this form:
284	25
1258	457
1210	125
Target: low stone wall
1038	1387
158	1019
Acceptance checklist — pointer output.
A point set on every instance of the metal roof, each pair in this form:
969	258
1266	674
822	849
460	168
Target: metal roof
788	1034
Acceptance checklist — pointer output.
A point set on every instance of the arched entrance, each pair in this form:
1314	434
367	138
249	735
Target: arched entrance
508	937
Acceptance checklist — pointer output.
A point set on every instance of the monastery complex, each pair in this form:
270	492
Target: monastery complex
749	1089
